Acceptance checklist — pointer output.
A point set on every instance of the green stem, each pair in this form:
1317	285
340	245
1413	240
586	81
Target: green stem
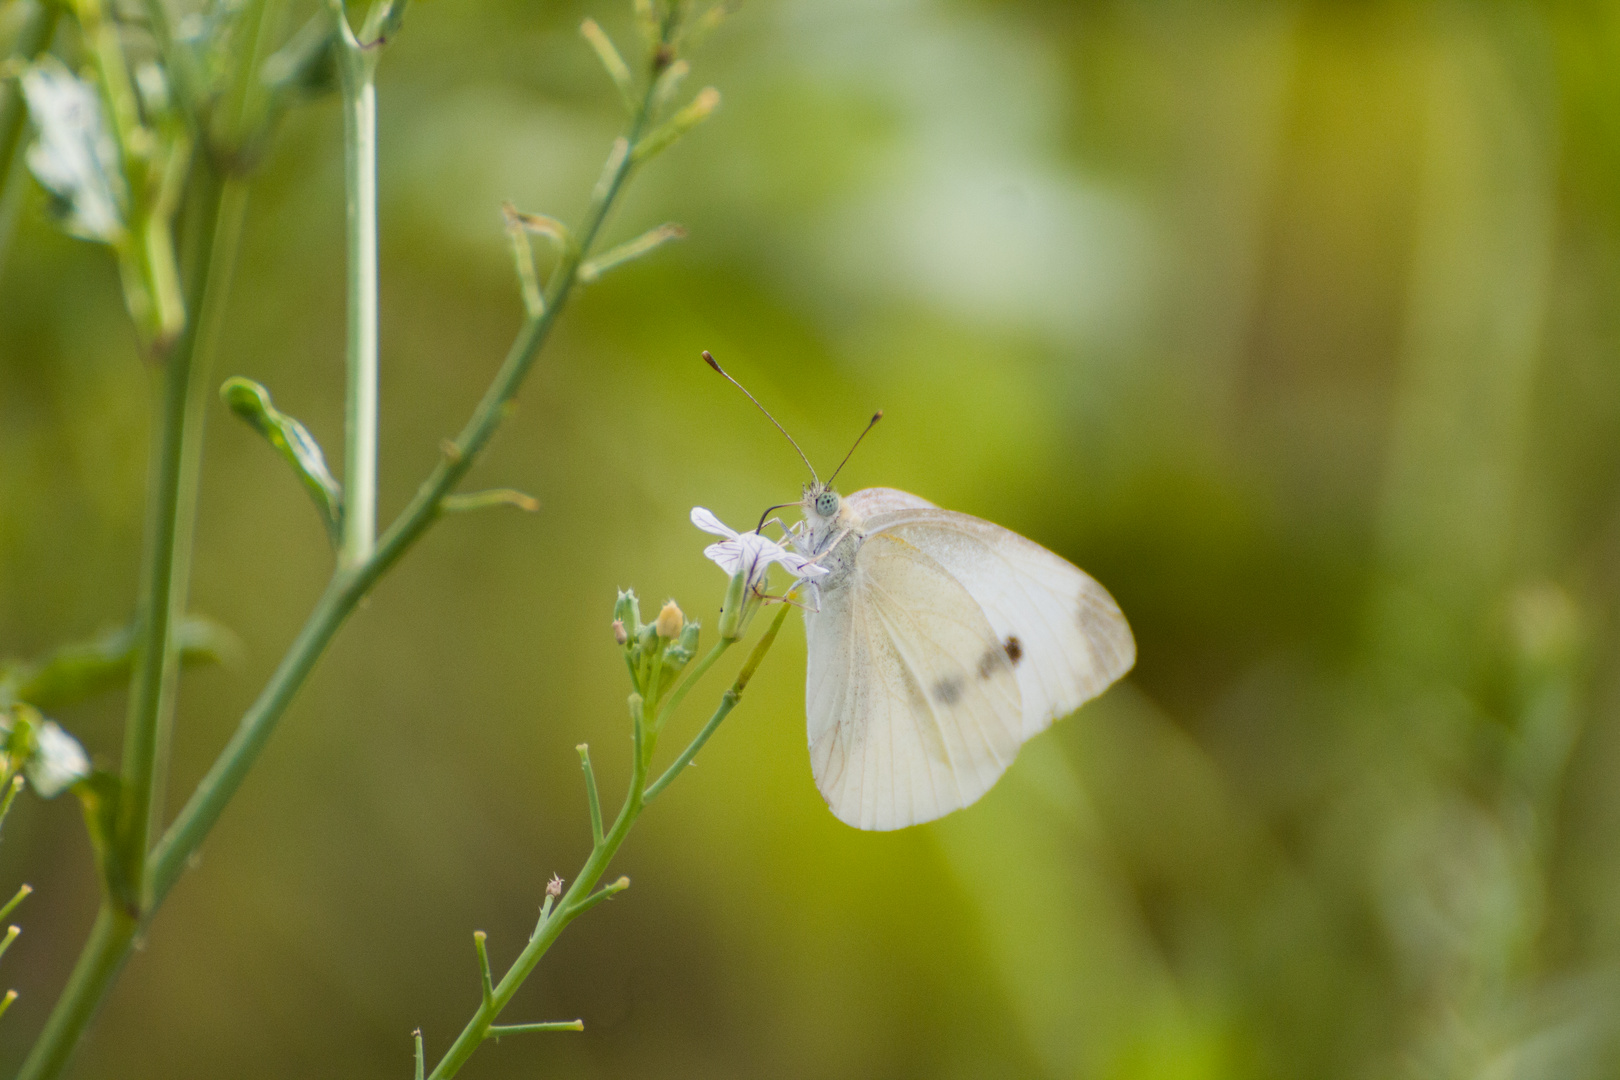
177	457
172	507
728	701
580	897
104	954
358	67
691	679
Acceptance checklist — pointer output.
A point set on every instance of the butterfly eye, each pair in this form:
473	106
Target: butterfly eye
827	503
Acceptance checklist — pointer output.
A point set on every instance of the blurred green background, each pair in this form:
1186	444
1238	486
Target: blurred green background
1294	323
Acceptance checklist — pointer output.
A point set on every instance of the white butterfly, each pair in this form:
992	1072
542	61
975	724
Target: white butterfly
940	644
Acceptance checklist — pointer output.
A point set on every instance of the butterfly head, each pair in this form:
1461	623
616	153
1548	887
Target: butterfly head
823	508
828	519
824	501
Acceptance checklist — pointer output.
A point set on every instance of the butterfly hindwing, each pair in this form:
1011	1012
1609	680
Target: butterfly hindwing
914	707
1064	633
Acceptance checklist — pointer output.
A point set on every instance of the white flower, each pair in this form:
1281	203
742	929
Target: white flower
59	762
751	552
75	157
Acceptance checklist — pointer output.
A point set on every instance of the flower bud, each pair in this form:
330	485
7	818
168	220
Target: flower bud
627	611
731	614
620	634
679	653
670	621
554	886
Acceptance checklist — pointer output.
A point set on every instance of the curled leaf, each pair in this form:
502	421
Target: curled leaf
293	441
98	795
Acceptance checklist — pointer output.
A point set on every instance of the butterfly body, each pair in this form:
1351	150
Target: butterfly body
938	644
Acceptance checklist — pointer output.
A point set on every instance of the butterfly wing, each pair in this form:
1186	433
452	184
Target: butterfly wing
914	710
1064	633
869	502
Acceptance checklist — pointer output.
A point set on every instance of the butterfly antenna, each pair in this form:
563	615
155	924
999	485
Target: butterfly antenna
709	359
869	426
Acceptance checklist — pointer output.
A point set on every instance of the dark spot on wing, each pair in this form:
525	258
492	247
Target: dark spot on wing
948	691
914	692
1000	658
990	661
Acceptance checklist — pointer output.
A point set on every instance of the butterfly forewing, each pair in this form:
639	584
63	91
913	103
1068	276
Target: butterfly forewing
914	709
1063	633
869	502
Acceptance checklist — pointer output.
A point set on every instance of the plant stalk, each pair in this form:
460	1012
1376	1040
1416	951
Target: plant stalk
360	412
105	952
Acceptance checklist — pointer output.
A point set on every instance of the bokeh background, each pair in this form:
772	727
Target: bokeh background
1294	323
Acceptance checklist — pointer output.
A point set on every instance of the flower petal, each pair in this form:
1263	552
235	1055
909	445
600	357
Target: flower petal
74	157
58	762
706	521
727	555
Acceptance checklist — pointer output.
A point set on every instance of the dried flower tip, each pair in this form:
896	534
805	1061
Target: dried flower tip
670	621
620	634
554	886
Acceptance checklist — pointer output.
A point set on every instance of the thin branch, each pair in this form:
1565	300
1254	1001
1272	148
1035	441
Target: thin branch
485	981
590	794
606	892
728	701
482	500
497	1030
11	905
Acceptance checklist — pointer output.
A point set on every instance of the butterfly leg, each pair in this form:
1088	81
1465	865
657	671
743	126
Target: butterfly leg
787	598
787	534
829	549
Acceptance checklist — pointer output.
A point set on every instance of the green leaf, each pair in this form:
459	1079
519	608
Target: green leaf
293	441
98	795
83	669
306	67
